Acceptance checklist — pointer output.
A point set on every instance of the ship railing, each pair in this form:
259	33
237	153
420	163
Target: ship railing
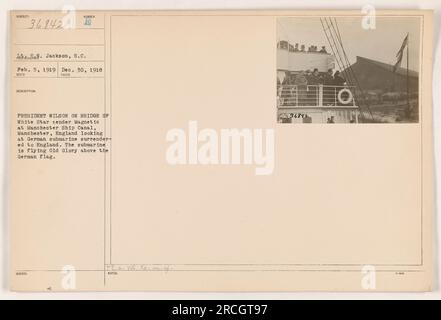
321	96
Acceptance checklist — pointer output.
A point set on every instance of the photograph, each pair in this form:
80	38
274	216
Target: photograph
345	70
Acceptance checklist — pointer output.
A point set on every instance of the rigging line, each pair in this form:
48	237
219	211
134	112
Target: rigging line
330	44
335	44
354	76
335	52
337	30
349	69
338	55
344	69
332	48
347	64
351	77
335	55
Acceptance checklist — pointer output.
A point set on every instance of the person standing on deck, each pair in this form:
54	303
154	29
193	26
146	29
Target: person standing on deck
301	82
338	79
328	91
339	83
314	81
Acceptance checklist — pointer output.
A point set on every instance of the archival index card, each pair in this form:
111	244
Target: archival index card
221	150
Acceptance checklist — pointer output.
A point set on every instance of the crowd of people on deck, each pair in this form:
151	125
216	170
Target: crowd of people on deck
302	87
306	77
299	48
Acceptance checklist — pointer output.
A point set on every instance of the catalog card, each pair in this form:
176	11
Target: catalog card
221	150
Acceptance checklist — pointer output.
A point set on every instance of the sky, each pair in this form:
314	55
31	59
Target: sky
381	43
